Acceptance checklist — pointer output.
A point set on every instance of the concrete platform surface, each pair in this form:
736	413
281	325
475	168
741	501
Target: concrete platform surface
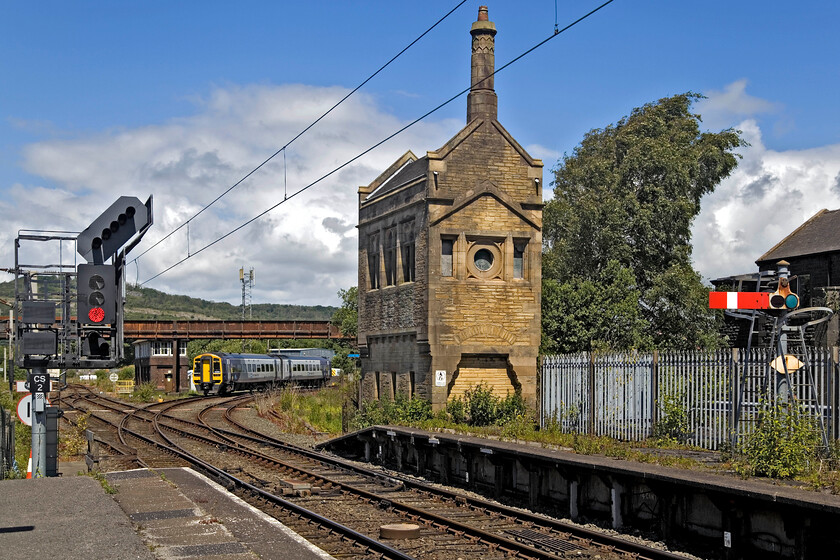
65	518
155	514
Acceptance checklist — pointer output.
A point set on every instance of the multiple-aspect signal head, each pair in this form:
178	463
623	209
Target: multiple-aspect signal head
123	220
97	294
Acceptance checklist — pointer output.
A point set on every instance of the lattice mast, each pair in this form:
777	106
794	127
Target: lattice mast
247	281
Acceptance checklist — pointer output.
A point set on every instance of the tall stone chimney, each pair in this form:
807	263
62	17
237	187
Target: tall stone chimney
481	101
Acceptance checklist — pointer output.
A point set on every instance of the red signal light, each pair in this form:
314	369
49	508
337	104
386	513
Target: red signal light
96	314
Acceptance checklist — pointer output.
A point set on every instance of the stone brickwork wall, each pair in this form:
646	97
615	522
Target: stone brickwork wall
508	169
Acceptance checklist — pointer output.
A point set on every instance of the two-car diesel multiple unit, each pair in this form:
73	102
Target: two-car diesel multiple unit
221	372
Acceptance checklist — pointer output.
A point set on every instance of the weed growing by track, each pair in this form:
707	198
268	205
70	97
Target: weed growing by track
72	441
303	412
98	476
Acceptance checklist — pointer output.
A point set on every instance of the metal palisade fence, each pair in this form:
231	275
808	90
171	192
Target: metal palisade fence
625	395
7	441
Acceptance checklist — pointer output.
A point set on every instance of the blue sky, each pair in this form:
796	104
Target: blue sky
180	100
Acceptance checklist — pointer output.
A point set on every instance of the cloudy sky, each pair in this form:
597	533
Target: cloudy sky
182	100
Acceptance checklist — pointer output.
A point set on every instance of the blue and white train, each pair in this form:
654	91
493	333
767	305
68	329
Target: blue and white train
221	372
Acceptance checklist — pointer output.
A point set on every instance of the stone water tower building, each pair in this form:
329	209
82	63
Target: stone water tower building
449	259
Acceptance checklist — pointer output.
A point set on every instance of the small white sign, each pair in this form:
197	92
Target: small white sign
24	408
727	539
39	400
440	378
113	377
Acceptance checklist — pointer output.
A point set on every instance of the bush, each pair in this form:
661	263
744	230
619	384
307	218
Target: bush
73	441
481	404
783	444
512	408
413	410
400	411
456	410
673	426
146	392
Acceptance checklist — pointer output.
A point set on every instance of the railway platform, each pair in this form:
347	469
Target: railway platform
155	514
723	515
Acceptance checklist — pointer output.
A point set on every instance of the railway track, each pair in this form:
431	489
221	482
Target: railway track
293	482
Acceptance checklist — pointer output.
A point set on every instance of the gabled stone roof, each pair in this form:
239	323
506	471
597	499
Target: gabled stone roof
820	234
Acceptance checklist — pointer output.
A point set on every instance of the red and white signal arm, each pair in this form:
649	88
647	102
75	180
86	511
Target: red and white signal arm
739	300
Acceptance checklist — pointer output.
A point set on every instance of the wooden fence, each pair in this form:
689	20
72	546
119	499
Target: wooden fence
624	395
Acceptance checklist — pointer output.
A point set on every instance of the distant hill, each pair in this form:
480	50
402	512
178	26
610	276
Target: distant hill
148	303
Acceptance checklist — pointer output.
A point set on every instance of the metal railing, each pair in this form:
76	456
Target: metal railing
125	386
7	442
624	395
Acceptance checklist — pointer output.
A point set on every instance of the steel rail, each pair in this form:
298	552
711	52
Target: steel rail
232	481
617	544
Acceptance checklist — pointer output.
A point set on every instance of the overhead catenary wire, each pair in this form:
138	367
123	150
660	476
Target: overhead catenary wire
302	132
377	144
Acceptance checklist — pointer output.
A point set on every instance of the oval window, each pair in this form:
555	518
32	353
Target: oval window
483	260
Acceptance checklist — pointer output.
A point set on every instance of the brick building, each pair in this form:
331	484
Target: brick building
449	259
157	362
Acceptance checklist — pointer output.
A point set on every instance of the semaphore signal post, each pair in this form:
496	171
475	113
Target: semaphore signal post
69	316
790	360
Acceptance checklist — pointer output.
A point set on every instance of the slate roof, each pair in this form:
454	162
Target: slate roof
406	174
820	234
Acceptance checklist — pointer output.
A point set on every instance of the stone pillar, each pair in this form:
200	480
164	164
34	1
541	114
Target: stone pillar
440	394
574	504
525	369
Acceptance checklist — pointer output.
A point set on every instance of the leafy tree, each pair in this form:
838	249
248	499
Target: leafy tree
677	310
597	314
623	203
347	316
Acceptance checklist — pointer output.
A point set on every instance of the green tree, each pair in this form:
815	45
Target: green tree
625	201
600	314
347	316
677	310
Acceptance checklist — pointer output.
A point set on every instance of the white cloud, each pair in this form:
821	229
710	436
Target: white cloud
721	109
770	194
303	251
